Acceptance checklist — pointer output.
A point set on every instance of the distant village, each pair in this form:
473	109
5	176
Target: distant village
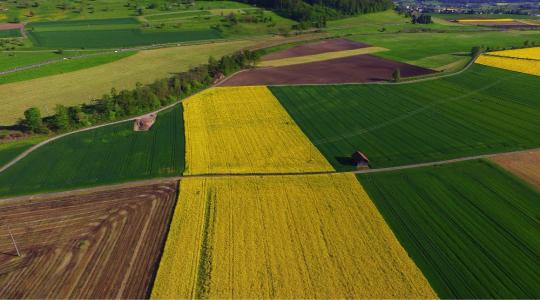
531	8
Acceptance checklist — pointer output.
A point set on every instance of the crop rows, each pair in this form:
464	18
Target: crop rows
484	110
470	227
116	38
283	237
245	130
101	156
101	245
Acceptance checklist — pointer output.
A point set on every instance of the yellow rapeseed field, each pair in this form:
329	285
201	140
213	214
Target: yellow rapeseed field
530	53
319	57
485	20
245	130
513	64
304	236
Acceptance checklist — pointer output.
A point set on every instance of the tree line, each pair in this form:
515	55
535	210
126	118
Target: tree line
315	12
142	99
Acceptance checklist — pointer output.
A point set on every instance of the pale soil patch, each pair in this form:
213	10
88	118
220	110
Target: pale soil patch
319	57
6	26
524	164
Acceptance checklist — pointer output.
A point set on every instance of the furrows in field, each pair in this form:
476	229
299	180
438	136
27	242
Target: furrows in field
99	245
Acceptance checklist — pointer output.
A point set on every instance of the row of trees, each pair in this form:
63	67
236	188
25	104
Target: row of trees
313	12
144	98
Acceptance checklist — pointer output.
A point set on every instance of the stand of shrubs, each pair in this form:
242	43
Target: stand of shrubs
119	105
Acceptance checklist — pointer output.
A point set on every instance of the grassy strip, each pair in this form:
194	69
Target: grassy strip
105	155
471	227
10	33
64	66
483	110
204	274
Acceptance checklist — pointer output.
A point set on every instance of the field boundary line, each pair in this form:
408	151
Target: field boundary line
163	180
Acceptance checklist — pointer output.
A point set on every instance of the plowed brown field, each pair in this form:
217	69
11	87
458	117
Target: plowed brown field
351	69
315	48
101	245
523	164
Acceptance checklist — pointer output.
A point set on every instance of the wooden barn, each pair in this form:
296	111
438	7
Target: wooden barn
360	160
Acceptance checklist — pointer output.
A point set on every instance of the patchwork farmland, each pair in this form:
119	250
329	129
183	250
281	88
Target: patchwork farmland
283	237
470	227
308	152
101	245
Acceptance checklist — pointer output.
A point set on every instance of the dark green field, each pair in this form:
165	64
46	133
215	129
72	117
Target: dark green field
101	156
484	110
88	22
9	33
470	227
10	150
115	38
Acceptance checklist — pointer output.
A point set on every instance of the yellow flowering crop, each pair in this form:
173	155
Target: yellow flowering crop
513	64
485	20
303	236
319	57
245	130
530	53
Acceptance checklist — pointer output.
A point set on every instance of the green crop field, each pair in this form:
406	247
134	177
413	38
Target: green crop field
435	49
484	110
10	150
101	156
116	38
471	227
10	33
88	22
64	66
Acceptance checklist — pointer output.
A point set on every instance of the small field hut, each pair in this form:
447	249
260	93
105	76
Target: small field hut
145	122
360	160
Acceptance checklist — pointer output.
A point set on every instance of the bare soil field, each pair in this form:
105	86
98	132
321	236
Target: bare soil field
6	26
352	69
316	48
103	244
524	164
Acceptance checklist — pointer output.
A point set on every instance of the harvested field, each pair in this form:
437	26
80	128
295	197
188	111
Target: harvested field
100	245
352	69
319	57
471	227
324	46
245	130
283	237
524	164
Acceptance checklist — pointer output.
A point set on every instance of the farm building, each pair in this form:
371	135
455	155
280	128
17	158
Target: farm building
360	160
145	122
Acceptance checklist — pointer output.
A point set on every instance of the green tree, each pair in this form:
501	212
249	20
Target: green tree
61	117
476	51
32	119
396	75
